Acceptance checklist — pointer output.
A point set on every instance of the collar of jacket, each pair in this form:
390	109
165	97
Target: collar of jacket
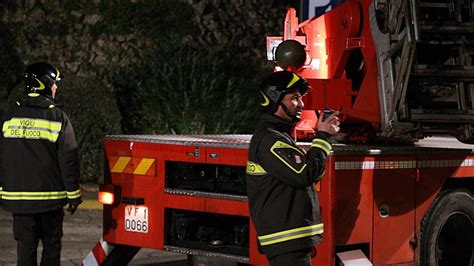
280	124
39	101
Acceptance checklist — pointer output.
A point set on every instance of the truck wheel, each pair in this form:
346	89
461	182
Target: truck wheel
447	230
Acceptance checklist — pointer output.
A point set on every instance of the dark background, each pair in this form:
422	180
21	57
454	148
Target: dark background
142	66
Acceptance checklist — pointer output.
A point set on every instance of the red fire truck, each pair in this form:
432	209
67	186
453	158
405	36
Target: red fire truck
397	71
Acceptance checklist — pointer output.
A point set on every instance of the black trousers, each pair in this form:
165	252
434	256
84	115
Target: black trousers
28	229
294	258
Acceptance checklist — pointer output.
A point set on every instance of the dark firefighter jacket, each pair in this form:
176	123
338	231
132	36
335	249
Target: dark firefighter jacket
280	186
39	163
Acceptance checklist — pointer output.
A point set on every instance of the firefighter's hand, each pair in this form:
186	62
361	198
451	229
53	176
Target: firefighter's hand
330	124
72	208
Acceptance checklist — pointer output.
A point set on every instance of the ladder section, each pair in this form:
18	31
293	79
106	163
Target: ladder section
427	49
440	89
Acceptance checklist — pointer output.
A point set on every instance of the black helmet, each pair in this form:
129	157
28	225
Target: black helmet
277	85
40	77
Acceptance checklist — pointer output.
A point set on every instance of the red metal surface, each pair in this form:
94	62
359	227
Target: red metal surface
331	93
152	190
147	188
256	258
354	204
326	198
226	156
351	192
331	40
392	234
203	204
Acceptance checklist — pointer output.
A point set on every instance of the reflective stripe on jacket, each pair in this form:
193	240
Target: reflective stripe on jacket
280	186
44	195
30	128
39	162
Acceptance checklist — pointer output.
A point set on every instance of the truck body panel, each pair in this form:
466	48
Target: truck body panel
372	197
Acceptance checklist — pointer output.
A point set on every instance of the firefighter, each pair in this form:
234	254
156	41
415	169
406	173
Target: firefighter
39	167
280	176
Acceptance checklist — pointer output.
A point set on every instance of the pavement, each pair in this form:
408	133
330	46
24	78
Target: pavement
82	231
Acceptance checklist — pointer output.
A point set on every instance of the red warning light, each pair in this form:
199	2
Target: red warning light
106	198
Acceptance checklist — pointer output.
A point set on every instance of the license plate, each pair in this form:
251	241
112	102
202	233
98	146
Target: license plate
136	219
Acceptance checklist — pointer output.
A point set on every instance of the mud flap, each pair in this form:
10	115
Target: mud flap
98	253
104	253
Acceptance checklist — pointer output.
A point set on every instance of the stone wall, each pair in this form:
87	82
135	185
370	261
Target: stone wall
64	36
79	36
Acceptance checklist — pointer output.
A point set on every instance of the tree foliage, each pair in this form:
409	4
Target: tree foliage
94	114
10	67
183	89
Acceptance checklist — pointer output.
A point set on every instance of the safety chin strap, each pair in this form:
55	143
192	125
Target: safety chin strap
294	117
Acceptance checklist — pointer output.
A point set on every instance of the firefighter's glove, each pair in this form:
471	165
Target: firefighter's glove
72	208
73	204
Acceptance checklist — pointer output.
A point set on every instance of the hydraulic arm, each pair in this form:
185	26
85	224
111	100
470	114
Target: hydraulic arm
396	69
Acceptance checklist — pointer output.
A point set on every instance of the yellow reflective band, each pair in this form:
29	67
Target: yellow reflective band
1	188
33	123
283	145
51	195
322	144
41	85
30	128
267	101
322	148
74	194
291	234
57	75
30	134
255	169
293	80
143	166
33	94
120	164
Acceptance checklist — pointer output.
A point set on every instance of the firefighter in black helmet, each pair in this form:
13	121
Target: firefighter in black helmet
39	166
280	176
40	78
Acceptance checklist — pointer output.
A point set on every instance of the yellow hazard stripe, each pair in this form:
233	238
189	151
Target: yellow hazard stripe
143	166
132	165
291	234
255	169
48	195
120	165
